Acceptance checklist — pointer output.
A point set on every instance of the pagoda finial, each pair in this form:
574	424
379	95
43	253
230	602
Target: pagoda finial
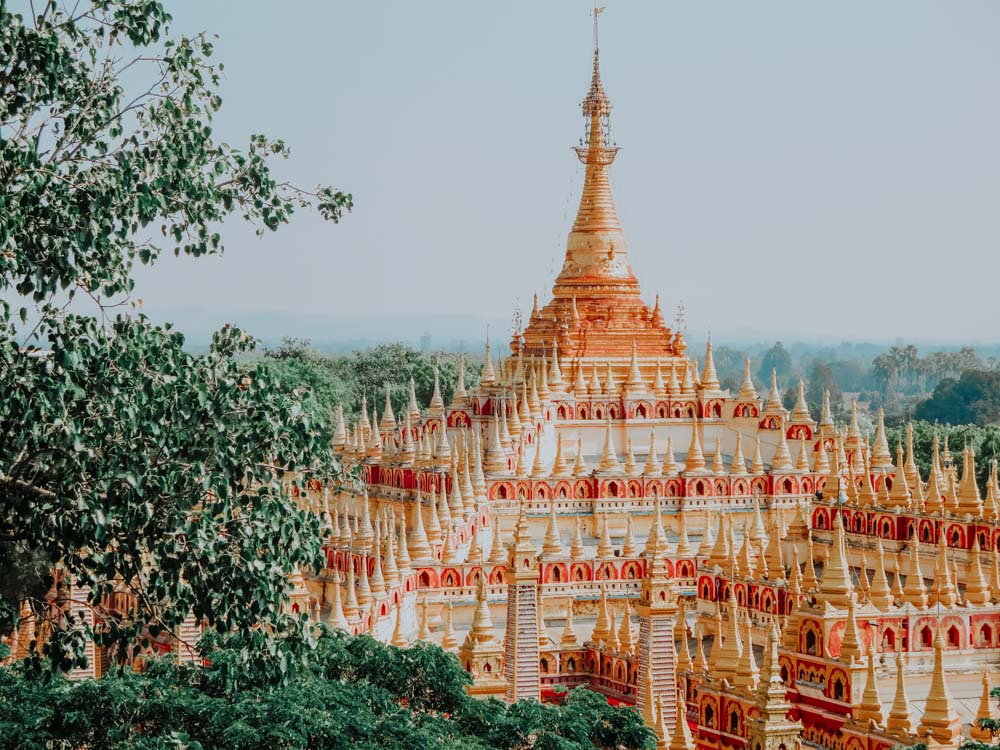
914	592
669	468
748	673
774	396
602	628
771	689
604	546
596	99
881	458
336	620
800	412
747	390
437	403
709	378
880	595
596	258
609	457
940	719
580	468
945	593
985	712
683	548
977	589
695	459
870	709
899	720
461	397
340	433
681	738
552	546
657	315
652	465
576	550
488	375
569	638
399	638
482	624
826	418
388	418
449	639
628	543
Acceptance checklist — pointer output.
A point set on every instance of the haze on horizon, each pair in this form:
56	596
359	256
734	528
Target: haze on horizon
788	169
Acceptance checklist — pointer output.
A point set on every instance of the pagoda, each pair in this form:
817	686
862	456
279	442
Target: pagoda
746	575
596	315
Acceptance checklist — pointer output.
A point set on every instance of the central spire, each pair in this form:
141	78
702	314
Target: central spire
596	313
596	257
597	207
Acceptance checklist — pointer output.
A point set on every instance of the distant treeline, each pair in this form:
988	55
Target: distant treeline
953	386
344	379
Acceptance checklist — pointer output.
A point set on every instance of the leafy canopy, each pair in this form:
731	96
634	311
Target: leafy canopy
125	462
973	398
349	692
343	380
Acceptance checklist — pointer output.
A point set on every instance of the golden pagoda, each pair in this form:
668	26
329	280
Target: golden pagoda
596	312
597	421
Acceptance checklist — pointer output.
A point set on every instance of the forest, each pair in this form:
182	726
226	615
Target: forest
344	692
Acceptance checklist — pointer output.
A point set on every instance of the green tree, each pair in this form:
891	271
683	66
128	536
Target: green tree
122	457
346	693
778	359
289	348
367	373
850	376
371	370
315	378
790	396
343	380
821	379
972	399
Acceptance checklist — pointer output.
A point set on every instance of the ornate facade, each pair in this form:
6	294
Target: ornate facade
599	477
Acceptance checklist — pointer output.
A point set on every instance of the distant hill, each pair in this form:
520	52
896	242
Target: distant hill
341	333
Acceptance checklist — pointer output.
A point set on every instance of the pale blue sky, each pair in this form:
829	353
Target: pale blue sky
787	168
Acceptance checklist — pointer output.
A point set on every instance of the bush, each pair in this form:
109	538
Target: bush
348	692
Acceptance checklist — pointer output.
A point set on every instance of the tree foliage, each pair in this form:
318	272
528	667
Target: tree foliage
902	371
822	380
348	692
126	462
299	368
778	359
974	398
343	380
896	377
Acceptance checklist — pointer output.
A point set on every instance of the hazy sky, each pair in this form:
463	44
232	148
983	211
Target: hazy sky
787	168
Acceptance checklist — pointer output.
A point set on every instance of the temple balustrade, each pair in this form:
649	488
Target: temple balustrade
960	532
616	494
459	582
761	599
613	673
